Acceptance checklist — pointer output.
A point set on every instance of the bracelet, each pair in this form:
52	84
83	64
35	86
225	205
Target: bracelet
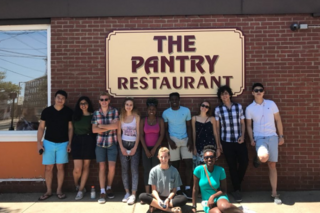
195	207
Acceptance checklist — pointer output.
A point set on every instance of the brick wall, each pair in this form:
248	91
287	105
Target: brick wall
286	62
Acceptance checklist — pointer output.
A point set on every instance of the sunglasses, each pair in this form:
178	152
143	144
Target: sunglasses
106	99
258	90
83	104
202	105
207	157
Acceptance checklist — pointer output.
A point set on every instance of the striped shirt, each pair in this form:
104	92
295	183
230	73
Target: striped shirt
230	126
105	139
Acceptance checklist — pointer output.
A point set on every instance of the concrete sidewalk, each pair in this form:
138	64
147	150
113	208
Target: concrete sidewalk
260	202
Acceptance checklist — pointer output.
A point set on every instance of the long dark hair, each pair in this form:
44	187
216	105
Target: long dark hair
77	114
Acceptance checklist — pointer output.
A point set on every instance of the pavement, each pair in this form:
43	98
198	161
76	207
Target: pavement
259	202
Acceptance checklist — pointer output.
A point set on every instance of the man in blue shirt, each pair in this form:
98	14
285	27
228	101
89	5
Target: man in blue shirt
178	125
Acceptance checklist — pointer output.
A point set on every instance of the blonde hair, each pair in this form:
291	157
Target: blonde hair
164	149
104	94
123	112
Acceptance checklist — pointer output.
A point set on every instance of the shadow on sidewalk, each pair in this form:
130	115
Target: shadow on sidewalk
288	198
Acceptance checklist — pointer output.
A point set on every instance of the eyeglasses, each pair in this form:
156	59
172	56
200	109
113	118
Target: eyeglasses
83	104
106	99
258	90
206	106
210	156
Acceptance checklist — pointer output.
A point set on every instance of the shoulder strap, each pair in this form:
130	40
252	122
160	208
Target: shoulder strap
204	167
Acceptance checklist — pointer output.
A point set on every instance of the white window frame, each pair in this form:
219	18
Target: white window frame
29	136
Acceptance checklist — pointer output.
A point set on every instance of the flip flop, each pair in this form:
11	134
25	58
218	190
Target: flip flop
44	197
176	209
61	196
151	209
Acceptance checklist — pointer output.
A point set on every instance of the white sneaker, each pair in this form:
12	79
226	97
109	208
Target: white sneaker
102	199
131	200
246	210
125	198
84	189
79	195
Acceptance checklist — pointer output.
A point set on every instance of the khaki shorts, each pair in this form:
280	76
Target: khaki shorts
181	149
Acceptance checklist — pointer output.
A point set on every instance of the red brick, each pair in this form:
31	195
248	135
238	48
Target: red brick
286	62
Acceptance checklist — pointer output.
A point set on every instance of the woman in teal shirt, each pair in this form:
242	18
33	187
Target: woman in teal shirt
213	194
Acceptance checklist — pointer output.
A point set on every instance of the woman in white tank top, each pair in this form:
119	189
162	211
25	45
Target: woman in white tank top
128	138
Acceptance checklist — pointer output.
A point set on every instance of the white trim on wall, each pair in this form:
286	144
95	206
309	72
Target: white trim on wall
22	179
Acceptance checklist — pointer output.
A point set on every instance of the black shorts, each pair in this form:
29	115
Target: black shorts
83	147
178	200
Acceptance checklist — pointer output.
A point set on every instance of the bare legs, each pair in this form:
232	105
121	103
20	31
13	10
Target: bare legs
81	169
49	175
111	171
224	206
273	175
102	173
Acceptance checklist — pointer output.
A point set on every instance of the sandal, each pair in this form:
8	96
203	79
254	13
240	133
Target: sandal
176	209
277	199
151	209
61	196
44	197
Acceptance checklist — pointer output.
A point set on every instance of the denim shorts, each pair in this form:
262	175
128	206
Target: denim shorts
103	152
54	153
267	145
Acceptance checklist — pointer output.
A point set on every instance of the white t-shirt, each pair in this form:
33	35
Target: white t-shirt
263	117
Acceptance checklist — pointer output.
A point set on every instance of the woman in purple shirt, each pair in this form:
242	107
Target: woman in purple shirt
151	136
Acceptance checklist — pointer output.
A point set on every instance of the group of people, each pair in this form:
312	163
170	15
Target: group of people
197	140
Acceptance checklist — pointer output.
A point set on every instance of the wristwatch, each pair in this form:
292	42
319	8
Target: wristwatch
195	207
281	136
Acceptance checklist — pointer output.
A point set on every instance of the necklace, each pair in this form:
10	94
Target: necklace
151	123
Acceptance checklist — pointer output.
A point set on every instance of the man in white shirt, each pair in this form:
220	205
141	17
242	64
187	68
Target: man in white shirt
265	114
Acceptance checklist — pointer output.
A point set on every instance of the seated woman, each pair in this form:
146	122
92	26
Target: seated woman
164	180
214	196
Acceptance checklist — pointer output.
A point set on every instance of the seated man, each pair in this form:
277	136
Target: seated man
164	180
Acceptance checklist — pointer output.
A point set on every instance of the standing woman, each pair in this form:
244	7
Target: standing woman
204	131
128	138
83	143
151	136
213	184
